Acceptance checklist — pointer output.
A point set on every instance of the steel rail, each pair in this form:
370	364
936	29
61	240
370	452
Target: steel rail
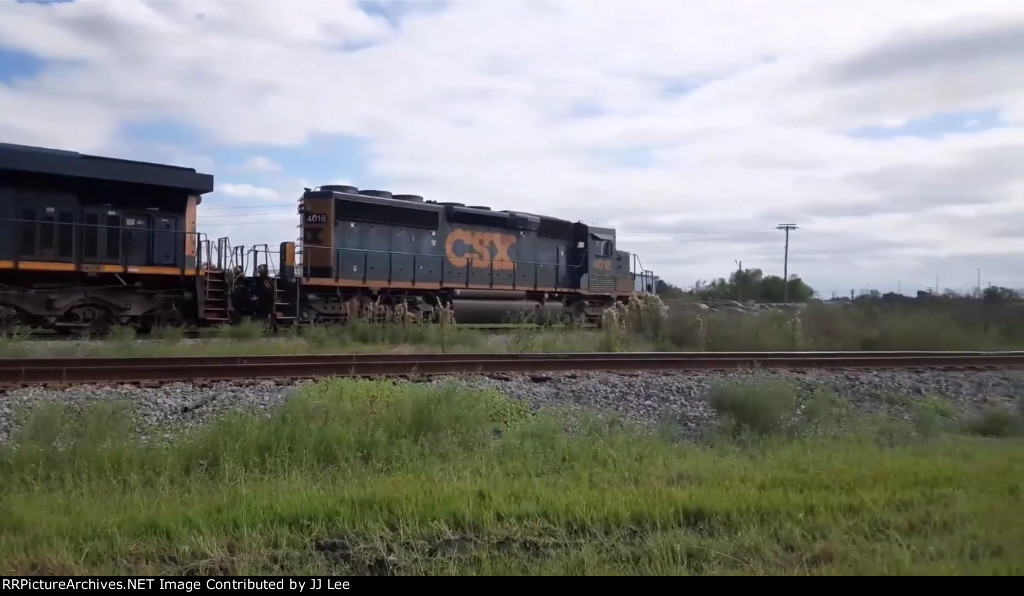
212	368
236	360
206	334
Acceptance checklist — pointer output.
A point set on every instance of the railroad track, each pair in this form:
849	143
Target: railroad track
18	372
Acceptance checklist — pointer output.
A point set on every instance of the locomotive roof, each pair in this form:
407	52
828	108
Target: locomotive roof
429	205
56	162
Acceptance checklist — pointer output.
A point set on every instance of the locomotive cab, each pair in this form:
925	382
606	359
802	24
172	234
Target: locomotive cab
603	267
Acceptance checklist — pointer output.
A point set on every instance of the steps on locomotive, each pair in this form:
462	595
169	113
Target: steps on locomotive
279	303
216	303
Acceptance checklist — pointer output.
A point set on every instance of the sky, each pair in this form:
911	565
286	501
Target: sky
890	131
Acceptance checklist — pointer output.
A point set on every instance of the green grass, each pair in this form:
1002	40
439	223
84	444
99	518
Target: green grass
643	325
360	477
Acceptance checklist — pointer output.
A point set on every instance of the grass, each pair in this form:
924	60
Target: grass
642	325
360	477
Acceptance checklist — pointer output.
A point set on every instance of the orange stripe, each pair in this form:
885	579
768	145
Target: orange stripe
407	285
92	268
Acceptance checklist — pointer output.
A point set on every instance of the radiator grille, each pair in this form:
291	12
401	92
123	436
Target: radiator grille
602	283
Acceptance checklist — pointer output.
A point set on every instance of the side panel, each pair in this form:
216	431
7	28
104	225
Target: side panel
137	239
416	256
375	239
165	241
46	232
100	238
624	280
528	261
551	255
318	237
429	252
350	254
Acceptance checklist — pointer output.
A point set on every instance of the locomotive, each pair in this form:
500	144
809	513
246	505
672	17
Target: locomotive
87	242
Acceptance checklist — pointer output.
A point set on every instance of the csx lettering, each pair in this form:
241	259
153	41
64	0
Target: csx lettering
477	246
603	265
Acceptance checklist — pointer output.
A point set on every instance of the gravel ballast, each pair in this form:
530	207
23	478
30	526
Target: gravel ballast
649	398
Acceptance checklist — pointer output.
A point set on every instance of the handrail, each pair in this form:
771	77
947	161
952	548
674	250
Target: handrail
415	254
256	250
77	256
646	275
221	255
510	275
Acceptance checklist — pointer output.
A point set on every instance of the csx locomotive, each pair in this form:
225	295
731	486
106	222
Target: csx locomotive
88	242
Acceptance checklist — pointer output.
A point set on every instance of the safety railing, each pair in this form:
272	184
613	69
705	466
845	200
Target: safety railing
474	273
261	255
648	281
221	256
87	245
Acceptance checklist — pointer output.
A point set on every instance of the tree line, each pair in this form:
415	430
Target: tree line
746	285
752	285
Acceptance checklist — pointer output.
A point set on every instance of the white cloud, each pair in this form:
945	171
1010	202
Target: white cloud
472	104
248	192
260	165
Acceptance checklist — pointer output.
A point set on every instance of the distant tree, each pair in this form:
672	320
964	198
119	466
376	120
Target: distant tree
666	290
753	285
996	294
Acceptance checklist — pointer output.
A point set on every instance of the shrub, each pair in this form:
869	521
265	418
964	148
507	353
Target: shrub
762	407
995	421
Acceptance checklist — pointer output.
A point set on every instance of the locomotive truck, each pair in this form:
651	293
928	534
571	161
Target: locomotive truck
87	242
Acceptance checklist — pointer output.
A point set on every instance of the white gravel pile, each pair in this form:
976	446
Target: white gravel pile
679	398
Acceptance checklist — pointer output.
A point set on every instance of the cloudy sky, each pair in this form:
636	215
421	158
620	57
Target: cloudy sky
890	131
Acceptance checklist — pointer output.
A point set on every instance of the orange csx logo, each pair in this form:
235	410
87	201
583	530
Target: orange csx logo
463	245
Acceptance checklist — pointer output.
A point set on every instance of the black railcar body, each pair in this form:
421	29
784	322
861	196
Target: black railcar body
87	241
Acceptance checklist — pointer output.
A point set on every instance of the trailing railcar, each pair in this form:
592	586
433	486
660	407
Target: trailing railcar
369	246
87	241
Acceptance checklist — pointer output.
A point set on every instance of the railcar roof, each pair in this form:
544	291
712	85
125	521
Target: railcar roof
57	162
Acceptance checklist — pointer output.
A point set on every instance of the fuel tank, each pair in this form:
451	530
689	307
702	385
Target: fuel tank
496	312
489	294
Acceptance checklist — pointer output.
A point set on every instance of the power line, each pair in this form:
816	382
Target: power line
785	262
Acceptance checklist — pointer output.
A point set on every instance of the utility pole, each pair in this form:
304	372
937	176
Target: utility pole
979	283
739	280
785	262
